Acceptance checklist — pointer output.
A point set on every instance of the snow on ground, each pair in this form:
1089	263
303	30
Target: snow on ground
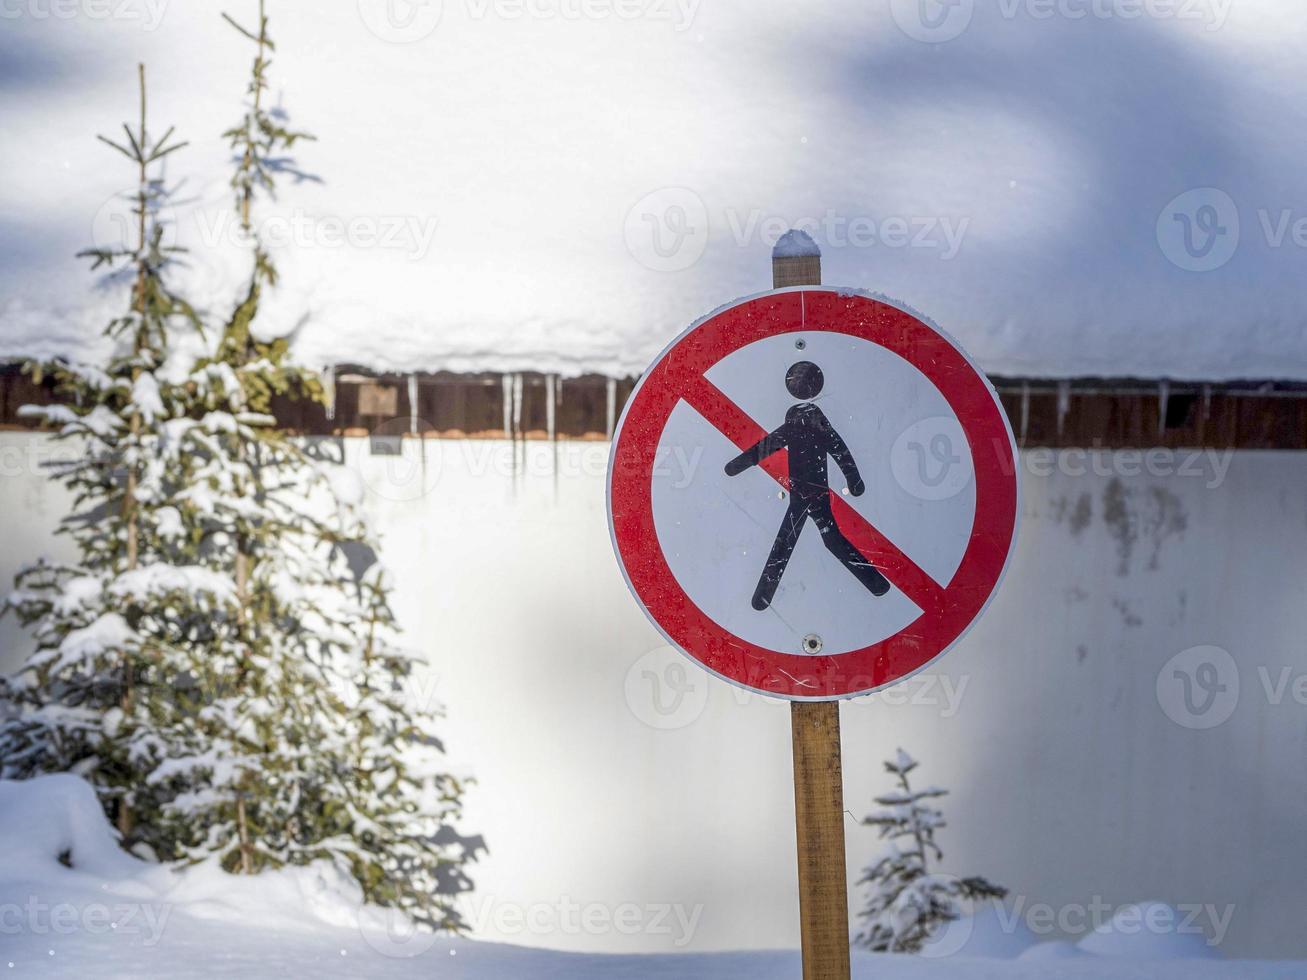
531	186
72	904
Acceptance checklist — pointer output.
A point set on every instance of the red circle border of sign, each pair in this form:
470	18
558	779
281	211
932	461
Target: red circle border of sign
630	493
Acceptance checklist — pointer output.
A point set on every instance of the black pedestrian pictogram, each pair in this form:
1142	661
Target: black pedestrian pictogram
810	438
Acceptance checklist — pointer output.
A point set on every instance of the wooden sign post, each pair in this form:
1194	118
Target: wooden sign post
819	830
818	770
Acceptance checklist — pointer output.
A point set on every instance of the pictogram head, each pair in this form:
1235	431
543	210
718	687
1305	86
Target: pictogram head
804	380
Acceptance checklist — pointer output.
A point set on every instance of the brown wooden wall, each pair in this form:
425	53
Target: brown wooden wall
1094	413
1087	412
465	405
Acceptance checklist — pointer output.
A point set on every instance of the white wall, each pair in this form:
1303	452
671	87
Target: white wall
1070	781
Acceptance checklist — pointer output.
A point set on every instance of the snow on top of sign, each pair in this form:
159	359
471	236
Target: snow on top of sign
794	244
566	193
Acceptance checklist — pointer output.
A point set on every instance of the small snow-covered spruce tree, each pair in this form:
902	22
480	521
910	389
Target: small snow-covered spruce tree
309	745
111	628
908	902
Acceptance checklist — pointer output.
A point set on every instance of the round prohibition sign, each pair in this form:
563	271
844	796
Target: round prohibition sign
944	610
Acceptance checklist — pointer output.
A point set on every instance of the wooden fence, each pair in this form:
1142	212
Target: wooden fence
1084	412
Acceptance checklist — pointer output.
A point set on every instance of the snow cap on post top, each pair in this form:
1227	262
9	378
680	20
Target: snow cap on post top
795	260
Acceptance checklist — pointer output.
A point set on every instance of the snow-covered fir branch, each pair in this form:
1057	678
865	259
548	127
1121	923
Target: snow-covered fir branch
909	902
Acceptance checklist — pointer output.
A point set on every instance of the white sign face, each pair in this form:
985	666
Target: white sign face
717	530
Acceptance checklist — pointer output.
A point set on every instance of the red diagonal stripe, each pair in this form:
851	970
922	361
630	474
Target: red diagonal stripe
736	425
881	552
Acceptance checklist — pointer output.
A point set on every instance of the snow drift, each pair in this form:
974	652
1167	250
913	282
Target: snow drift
72	904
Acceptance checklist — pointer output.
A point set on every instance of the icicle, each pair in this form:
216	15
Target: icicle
329	390
419	445
413	404
1206	414
553	391
612	406
550	386
1025	410
507	424
517	425
1063	405
1163	397
508	406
